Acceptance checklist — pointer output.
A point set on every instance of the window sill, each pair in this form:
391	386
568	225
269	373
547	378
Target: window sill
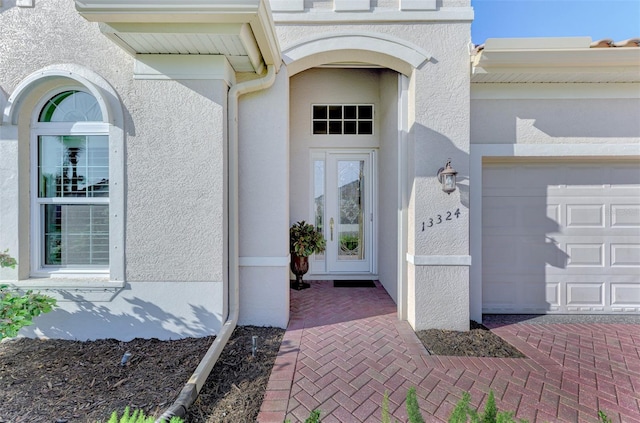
74	289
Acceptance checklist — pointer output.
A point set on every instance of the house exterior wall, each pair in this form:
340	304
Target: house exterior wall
388	182
529	122
264	205
173	225
174	199
438	129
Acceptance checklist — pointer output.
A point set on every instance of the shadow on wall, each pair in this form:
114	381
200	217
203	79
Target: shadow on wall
143	320
522	238
432	151
539	121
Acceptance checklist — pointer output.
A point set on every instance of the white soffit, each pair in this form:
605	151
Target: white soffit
241	30
568	59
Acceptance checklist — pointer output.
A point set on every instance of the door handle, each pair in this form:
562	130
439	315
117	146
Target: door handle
331	227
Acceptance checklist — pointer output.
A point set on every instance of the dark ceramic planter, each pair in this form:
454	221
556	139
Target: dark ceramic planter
299	266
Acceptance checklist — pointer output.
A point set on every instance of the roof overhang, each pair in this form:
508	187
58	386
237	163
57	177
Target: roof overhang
241	30
554	60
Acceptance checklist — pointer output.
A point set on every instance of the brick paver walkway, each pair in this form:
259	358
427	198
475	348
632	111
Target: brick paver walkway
345	347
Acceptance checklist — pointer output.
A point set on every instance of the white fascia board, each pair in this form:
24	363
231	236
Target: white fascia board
180	11
264	31
287	5
417	4
254	12
351	5
182	66
557	59
541	43
545	91
444	14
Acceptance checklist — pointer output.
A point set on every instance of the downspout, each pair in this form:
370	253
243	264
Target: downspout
191	390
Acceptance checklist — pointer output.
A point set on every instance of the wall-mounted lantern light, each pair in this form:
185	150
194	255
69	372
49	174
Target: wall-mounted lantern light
447	177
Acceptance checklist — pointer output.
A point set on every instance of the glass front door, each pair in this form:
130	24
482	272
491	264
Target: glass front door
343	211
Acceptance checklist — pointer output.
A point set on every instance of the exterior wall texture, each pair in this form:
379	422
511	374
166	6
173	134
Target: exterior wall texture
174	199
559	124
438	129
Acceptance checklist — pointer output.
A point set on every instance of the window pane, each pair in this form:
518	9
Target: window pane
335	127
365	128
350	127
365	112
350	112
335	112
320	127
318	181
319	112
71	106
73	166
76	235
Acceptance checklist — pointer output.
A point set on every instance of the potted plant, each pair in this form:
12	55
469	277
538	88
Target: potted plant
304	240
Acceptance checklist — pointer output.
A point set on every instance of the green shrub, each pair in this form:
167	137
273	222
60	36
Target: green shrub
18	310
6	260
137	417
463	412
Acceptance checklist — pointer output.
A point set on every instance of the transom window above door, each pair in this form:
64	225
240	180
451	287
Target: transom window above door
342	119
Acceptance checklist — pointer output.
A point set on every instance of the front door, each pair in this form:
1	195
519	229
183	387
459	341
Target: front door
343	207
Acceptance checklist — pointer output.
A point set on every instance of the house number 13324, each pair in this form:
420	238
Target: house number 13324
440	219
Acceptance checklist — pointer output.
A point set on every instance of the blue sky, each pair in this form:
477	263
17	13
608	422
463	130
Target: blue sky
615	19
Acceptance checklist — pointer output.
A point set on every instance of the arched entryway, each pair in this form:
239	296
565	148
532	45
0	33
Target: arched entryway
349	102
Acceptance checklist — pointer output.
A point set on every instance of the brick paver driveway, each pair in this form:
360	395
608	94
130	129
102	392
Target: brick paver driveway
345	347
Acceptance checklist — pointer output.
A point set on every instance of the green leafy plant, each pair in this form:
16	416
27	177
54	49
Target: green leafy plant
464	413
305	240
6	260
413	409
602	416
137	417
18	310
386	416
314	417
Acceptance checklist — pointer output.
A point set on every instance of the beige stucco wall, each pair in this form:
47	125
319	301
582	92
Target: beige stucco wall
556	123
438	129
597	113
263	147
174	199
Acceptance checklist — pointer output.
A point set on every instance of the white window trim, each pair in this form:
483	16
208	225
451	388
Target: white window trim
38	270
13	234
373	119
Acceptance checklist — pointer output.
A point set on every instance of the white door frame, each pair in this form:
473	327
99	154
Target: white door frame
320	265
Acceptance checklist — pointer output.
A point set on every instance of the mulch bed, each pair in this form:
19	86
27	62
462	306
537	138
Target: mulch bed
478	342
70	381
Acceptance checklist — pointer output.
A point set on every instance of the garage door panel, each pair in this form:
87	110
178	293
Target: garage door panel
585	215
625	255
585	255
625	215
581	295
561	238
625	295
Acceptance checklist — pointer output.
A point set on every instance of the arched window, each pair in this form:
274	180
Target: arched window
70	185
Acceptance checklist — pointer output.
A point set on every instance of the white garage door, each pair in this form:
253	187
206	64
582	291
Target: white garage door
561	237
